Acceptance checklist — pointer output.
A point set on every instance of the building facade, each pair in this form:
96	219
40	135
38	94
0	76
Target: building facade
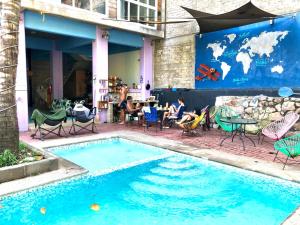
79	48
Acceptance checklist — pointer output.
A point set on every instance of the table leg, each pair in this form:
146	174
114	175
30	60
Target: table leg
229	136
241	132
234	132
248	136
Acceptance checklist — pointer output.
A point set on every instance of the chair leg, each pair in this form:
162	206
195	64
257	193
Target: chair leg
33	135
63	130
259	136
285	162
93	127
262	139
72	127
41	134
275	155
59	129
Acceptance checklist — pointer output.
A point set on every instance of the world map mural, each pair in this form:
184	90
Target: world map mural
262	55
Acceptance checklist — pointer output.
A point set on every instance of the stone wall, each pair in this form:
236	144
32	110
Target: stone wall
169	69
261	107
174	62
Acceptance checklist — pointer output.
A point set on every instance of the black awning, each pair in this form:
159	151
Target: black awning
244	15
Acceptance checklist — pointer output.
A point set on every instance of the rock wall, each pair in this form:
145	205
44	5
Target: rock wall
261	107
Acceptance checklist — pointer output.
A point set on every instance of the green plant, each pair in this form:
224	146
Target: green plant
7	158
22	147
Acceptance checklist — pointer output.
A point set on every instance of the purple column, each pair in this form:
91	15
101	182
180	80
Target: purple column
146	67
100	68
57	74
21	80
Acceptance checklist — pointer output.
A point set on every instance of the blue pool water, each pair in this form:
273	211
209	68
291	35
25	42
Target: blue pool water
175	190
107	154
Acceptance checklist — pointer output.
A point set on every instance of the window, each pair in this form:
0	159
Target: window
138	10
92	5
99	6
83	4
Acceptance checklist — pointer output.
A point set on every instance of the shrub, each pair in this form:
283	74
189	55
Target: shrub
7	158
22	147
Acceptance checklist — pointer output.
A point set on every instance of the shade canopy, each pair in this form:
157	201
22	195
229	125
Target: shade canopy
244	15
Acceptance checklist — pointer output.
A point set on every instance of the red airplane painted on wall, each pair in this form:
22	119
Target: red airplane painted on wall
207	72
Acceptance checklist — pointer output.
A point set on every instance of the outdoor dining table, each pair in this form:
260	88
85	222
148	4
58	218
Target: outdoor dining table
241	129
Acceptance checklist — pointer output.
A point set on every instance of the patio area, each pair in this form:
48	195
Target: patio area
207	140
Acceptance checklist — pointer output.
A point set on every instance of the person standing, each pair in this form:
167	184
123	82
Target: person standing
122	102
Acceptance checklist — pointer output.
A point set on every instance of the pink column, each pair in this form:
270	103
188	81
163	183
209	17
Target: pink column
146	67
57	74
21	80
100	67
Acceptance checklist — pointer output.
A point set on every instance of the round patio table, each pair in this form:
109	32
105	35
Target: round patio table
240	131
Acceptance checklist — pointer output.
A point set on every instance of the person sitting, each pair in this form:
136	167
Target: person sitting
131	109
173	110
189	116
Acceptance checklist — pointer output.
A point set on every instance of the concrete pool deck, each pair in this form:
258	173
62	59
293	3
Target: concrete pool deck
291	173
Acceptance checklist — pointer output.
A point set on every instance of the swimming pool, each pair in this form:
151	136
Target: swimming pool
173	189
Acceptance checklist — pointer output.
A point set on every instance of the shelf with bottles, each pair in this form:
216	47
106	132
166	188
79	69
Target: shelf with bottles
113	82
102	105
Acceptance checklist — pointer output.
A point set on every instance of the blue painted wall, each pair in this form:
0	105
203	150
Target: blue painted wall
75	36
59	25
125	38
39	43
274	57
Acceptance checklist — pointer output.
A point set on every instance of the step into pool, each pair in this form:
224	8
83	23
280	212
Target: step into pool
163	188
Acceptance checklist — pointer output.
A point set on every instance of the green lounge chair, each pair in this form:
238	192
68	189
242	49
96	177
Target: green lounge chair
226	112
289	146
53	120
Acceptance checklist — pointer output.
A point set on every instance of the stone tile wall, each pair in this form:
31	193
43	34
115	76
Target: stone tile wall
261	107
174	63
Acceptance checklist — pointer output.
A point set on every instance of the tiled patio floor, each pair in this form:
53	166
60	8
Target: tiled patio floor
208	140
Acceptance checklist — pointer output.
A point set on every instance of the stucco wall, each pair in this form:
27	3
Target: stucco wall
180	36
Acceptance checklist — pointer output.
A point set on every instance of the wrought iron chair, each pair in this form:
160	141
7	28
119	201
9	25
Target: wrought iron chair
289	146
277	129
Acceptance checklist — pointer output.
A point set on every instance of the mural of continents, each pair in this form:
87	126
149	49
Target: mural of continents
261	55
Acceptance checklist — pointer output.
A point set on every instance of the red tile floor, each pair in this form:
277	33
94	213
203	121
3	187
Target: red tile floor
207	139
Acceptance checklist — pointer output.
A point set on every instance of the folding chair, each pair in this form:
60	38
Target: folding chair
54	120
85	116
151	117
